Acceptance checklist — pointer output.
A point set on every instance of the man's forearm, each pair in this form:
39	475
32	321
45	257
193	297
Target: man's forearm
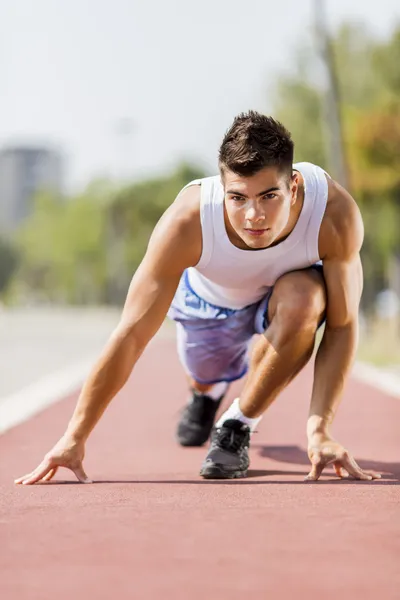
108	376
332	365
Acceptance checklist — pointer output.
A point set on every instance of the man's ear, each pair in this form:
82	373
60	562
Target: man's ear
294	186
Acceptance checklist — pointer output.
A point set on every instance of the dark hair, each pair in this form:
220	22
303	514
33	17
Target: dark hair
253	142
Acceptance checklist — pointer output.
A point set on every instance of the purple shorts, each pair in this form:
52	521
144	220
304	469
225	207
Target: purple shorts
213	342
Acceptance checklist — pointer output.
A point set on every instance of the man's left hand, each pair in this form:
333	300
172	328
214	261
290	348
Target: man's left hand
324	450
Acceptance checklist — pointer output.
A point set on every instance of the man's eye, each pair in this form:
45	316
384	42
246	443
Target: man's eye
270	196
237	198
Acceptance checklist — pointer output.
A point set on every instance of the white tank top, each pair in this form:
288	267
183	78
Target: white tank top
229	277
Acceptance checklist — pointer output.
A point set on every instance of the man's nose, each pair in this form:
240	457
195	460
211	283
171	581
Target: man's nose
254	215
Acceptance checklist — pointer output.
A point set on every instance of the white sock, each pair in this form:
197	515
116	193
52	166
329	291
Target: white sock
217	390
234	412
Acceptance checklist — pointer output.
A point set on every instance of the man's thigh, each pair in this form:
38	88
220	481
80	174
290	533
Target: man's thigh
212	341
297	288
212	354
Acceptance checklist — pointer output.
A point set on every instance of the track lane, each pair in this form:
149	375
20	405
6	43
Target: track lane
151	528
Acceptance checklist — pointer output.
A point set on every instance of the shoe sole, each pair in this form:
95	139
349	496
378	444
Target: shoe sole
215	472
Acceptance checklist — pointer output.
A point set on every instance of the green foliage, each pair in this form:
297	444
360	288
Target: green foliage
85	249
369	89
386	60
61	250
8	263
301	104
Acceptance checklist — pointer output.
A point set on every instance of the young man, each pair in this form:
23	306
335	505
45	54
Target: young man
234	255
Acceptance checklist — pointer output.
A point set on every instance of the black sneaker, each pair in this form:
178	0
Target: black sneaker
228	457
197	420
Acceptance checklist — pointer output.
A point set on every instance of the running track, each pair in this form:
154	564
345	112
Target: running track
150	528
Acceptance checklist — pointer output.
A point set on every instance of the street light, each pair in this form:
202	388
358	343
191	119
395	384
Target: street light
331	106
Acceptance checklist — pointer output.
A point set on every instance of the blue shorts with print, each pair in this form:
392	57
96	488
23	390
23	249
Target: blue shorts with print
213	342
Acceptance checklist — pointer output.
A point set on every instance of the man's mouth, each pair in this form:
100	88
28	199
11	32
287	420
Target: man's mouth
256	232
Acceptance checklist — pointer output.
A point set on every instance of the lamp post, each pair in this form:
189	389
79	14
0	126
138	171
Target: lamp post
331	105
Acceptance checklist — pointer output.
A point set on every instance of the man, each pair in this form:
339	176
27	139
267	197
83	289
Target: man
235	255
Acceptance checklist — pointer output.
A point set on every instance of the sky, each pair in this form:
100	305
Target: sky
129	87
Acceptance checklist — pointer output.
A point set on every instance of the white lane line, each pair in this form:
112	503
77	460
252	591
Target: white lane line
31	400
381	379
34	398
24	404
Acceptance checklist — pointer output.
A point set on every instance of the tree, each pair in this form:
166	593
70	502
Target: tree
85	250
369	83
8	263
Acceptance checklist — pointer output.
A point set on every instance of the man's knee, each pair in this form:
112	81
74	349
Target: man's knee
300	311
298	302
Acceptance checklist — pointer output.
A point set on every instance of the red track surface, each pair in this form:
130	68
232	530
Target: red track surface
151	528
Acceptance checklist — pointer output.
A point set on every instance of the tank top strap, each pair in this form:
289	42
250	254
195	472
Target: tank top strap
210	194
315	181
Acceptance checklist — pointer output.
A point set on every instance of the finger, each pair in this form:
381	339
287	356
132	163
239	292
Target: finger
50	474
373	474
316	470
37	474
340	472
21	479
81	475
354	469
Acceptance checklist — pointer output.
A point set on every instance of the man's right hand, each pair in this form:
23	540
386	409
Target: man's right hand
66	453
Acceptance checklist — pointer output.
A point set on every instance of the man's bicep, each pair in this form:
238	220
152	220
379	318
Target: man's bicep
149	297
174	245
344	282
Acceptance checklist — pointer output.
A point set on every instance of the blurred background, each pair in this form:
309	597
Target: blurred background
108	108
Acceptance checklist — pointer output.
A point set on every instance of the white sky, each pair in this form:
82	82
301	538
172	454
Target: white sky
70	70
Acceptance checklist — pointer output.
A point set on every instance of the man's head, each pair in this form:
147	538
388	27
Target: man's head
255	161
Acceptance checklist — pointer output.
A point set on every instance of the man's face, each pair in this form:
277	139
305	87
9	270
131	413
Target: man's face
258	206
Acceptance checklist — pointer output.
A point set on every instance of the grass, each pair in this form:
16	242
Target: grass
380	343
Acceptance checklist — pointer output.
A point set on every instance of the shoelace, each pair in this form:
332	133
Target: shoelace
231	440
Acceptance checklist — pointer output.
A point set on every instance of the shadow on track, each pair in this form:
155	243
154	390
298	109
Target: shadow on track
296	455
291	455
326	479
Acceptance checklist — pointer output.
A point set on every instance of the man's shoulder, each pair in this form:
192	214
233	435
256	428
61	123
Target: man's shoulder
199	191
176	239
341	230
186	206
308	166
181	223
341	208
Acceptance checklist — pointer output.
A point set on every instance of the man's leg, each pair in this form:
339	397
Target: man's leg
207	361
206	388
197	419
213	352
295	309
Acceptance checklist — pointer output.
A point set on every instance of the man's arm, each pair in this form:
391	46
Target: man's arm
174	245
341	237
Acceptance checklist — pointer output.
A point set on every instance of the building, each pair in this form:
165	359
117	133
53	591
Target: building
24	171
